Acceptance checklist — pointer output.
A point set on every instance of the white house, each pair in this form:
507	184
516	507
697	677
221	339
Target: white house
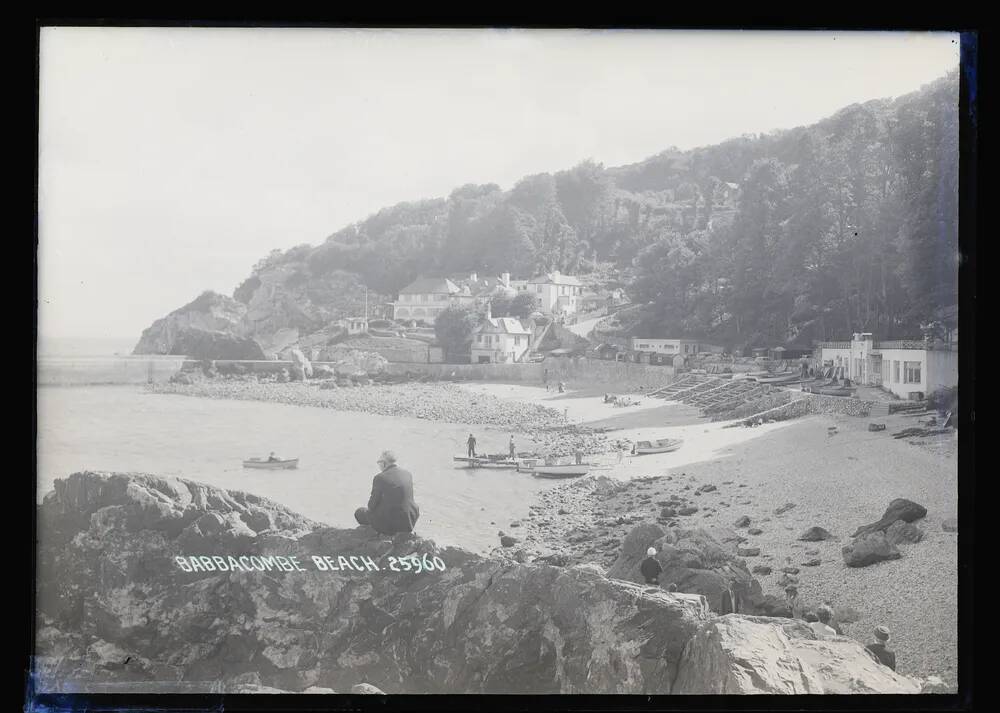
909	369
502	340
556	293
426	297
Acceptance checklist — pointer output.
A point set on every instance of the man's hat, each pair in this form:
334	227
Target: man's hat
651	552
882	632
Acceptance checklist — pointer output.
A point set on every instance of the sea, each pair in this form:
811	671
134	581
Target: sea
114	427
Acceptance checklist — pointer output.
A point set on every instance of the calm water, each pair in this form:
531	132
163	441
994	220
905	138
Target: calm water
122	428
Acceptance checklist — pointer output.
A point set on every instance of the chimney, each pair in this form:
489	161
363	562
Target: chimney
489	310
473	277
505	278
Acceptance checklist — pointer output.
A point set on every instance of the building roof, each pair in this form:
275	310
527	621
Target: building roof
502	325
430	286
554	278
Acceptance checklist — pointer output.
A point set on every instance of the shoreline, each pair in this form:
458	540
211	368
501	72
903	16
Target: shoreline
836	482
915	596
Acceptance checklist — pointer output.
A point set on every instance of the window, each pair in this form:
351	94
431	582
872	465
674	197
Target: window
517	341
538	289
895	372
911	372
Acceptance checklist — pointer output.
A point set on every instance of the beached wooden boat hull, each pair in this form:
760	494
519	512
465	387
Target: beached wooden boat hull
289	464
834	392
486	462
668	446
780	378
561	471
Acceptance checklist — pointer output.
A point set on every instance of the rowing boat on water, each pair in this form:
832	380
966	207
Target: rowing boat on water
264	464
664	445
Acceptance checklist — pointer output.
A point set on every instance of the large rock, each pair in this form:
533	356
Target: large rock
204	345
107	573
210	312
738	655
869	549
815	534
900	532
698	561
899	509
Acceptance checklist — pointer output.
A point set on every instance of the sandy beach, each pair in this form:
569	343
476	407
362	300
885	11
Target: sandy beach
837	482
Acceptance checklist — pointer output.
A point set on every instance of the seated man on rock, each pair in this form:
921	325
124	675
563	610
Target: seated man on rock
880	650
391	508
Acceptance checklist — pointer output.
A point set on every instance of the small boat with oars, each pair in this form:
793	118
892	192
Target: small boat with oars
664	445
574	470
271	463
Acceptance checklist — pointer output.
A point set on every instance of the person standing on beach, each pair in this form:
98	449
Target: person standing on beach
880	650
650	568
513	451
471	443
579	455
391	507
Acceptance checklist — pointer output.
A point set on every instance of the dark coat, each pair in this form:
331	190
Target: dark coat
391	508
884	655
651	570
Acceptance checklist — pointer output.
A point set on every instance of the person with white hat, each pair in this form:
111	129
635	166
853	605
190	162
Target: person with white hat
650	568
880	650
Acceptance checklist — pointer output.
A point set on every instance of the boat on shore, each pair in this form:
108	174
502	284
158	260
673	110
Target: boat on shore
486	462
786	377
664	445
560	471
265	464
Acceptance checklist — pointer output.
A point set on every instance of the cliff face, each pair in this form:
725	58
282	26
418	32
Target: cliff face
278	307
209	313
115	608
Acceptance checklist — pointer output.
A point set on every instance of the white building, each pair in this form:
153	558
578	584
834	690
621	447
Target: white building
426	297
500	340
909	369
670	347
556	293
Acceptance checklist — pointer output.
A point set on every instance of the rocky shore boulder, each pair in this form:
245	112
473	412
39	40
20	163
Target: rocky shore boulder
739	655
109	580
815	534
900	532
869	549
697	561
899	509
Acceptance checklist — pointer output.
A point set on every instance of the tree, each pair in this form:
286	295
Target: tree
453	329
500	305
522	306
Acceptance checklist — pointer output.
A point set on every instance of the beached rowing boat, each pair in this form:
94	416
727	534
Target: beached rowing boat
786	377
487	462
264	464
561	471
664	445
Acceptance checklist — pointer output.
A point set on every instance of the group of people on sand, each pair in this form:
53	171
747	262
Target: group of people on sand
822	622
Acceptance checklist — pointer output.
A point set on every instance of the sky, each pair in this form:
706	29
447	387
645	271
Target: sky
173	159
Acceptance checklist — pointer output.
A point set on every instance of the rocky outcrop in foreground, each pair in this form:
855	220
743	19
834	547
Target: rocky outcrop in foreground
115	608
